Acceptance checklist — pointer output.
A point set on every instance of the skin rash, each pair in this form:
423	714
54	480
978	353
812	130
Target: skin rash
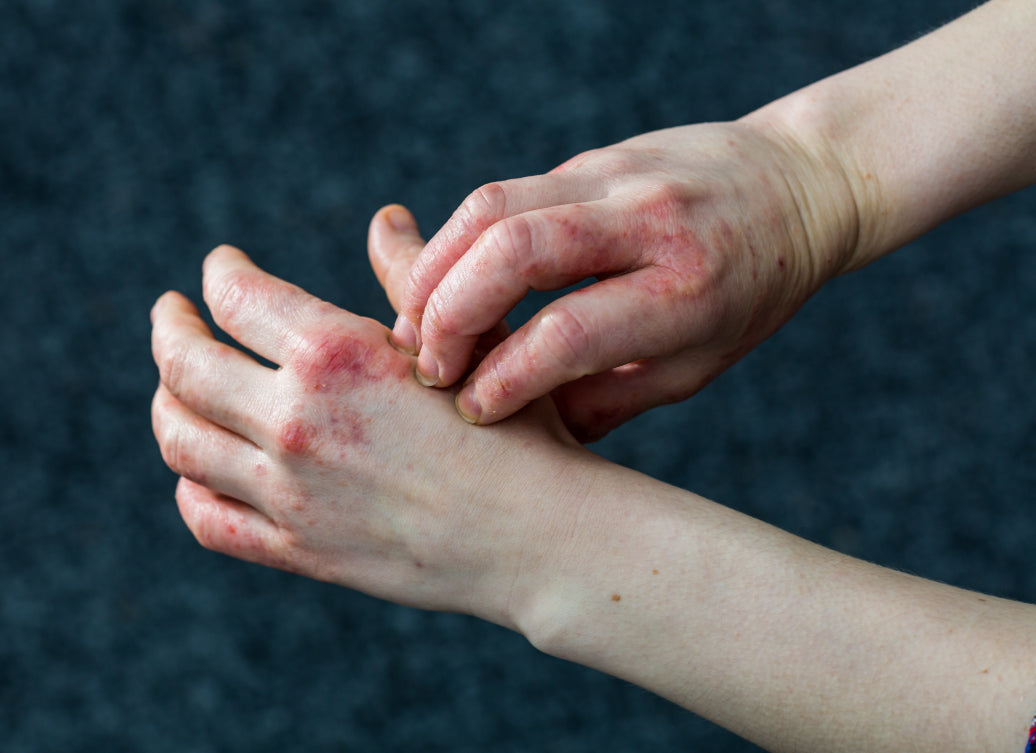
333	364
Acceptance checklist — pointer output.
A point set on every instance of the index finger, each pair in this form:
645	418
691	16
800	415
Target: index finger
260	311
480	210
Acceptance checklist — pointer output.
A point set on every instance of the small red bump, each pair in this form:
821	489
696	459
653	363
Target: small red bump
296	437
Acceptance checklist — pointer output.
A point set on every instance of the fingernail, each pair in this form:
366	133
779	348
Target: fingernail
401	220
404	336
467	405
427	369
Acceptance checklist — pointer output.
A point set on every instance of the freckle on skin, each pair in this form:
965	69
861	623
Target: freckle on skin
654	572
616	597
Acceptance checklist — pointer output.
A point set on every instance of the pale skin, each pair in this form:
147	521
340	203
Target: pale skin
709	237
338	465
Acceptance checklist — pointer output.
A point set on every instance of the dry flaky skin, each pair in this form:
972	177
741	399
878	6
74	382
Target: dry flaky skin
705	239
338	465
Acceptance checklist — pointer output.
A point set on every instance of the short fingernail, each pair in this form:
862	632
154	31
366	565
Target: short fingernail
404	336
427	369
467	405
401	220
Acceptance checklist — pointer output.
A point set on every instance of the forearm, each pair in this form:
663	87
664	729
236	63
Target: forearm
930	130
784	642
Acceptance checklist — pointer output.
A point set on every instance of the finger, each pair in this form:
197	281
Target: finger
260	311
594	405
393	243
479	211
541	250
227	525
213	379
608	324
205	453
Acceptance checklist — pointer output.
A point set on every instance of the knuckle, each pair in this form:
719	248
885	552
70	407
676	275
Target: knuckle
565	340
439	321
498	386
173	445
514	239
617	163
669	193
227	294
663	207
510	243
485	204
174	365
206	533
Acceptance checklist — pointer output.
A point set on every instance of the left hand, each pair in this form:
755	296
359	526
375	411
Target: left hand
338	465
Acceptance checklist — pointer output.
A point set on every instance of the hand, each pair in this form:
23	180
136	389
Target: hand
704	240
338	465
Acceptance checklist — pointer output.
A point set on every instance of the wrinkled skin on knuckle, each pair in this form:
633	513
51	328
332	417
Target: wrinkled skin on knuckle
439	323
173	366
227	294
565	341
497	385
614	163
486	204
171	442
579	161
510	244
198	519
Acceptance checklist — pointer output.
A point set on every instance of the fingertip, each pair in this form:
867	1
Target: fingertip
223	249
400	219
224	254
173	302
404	336
468	405
161	301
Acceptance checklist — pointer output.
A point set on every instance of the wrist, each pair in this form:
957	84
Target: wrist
837	200
922	133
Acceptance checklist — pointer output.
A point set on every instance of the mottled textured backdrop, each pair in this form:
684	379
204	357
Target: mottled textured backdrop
893	419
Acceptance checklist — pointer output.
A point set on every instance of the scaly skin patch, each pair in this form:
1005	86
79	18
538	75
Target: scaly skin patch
335	361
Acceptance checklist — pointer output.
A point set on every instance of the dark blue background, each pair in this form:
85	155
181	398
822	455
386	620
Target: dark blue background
892	419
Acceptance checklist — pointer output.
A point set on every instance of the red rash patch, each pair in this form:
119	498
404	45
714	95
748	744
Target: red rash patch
337	361
349	427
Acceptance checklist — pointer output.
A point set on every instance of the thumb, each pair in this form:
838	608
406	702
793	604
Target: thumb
393	243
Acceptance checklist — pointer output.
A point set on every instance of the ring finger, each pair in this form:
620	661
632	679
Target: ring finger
208	454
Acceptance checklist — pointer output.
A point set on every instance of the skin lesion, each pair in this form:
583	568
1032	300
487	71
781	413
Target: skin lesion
333	361
296	437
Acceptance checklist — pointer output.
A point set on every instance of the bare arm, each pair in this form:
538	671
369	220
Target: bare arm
927	131
790	645
706	238
338	466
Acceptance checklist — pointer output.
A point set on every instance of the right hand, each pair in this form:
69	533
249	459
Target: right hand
704	240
